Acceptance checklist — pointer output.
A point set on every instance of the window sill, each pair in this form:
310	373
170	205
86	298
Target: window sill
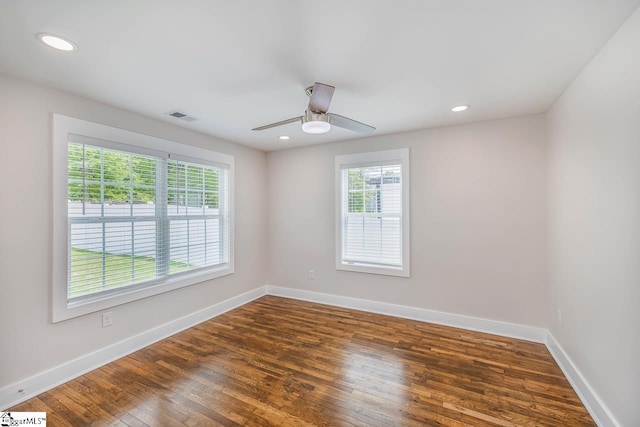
373	269
65	310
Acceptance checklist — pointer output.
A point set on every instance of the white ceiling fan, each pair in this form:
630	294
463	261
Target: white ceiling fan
316	119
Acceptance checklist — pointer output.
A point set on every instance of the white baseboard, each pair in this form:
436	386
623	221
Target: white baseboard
598	410
512	330
43	381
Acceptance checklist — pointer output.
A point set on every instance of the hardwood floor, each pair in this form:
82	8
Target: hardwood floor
278	361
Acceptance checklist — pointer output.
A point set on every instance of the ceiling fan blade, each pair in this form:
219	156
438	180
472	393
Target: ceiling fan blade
321	98
284	122
347	123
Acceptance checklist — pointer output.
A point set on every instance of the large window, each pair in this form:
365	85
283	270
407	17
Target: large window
372	215
141	216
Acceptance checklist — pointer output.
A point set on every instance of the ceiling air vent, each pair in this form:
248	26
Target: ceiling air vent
180	115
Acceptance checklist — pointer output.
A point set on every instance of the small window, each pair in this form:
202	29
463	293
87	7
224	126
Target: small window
372	215
131	220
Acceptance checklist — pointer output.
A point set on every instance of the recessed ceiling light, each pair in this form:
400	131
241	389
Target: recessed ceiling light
57	42
285	137
459	108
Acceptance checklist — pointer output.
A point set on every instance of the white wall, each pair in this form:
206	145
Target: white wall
594	214
31	343
478	221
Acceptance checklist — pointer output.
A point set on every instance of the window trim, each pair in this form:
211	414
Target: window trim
63	126
375	158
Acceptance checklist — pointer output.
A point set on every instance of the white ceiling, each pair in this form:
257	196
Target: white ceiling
237	64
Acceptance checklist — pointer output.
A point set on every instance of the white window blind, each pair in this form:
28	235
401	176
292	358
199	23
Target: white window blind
372	209
372	216
136	219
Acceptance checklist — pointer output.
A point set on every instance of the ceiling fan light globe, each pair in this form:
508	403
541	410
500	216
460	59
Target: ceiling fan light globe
316	127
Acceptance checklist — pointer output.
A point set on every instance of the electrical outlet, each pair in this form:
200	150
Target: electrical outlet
312	275
107	319
559	317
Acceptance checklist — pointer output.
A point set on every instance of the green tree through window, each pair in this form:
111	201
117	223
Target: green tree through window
127	178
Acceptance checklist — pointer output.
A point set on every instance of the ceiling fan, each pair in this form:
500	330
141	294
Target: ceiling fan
316	119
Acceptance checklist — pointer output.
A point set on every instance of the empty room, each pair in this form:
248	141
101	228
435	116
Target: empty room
347	213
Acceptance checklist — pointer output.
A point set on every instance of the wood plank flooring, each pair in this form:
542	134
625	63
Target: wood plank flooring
284	362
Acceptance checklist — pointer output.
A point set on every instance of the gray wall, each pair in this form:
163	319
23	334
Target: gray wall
594	218
478	221
25	234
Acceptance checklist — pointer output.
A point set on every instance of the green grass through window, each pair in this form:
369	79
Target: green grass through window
87	267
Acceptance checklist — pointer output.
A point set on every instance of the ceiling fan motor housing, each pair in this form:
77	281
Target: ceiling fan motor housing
315	122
